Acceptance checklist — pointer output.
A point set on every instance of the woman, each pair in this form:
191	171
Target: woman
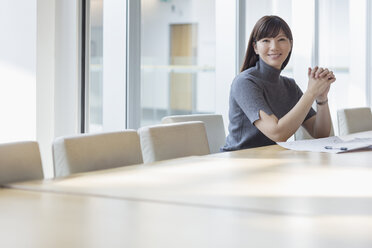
266	107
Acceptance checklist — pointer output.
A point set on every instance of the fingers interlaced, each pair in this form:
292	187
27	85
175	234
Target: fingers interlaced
320	72
324	73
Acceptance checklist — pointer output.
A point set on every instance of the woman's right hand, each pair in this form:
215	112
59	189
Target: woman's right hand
320	81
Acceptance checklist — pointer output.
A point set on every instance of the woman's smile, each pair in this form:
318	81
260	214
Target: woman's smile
275	55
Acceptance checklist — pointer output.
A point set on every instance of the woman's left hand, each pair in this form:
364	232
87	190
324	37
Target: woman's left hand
324	96
321	73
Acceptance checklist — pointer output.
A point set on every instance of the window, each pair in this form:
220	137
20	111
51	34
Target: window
177	58
342	47
105	90
178	53
95	86
369	53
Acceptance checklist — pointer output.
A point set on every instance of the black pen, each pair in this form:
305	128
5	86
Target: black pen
336	148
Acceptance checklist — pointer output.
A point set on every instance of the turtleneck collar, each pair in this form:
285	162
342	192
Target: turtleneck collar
267	72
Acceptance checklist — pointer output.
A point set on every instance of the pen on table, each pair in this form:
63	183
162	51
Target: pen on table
336	148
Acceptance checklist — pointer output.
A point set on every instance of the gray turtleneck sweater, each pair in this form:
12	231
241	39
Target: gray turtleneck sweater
258	88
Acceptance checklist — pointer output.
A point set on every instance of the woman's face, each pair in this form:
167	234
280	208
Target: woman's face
273	51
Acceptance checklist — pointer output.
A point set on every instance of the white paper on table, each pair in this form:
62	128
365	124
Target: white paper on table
334	145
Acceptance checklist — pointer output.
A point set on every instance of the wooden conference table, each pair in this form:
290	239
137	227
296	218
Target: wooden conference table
261	197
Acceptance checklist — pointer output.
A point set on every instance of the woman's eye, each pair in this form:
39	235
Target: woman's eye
265	40
282	39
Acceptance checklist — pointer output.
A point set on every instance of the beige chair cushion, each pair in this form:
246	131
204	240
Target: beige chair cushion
20	161
354	120
174	140
89	152
213	125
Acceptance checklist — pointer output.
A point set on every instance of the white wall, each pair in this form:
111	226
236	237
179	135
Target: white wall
57	74
66	102
38	72
114	64
45	72
17	70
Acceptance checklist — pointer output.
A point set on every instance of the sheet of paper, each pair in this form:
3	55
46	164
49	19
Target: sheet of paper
331	145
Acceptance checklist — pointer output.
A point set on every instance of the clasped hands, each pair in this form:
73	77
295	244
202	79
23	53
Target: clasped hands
320	80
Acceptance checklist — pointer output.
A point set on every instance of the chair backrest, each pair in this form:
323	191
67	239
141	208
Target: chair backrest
213	125
20	161
89	152
173	140
302	134
354	120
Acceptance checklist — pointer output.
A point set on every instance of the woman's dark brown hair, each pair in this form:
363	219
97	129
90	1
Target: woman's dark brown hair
266	27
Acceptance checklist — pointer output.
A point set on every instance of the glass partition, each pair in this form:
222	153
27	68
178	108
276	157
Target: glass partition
177	58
